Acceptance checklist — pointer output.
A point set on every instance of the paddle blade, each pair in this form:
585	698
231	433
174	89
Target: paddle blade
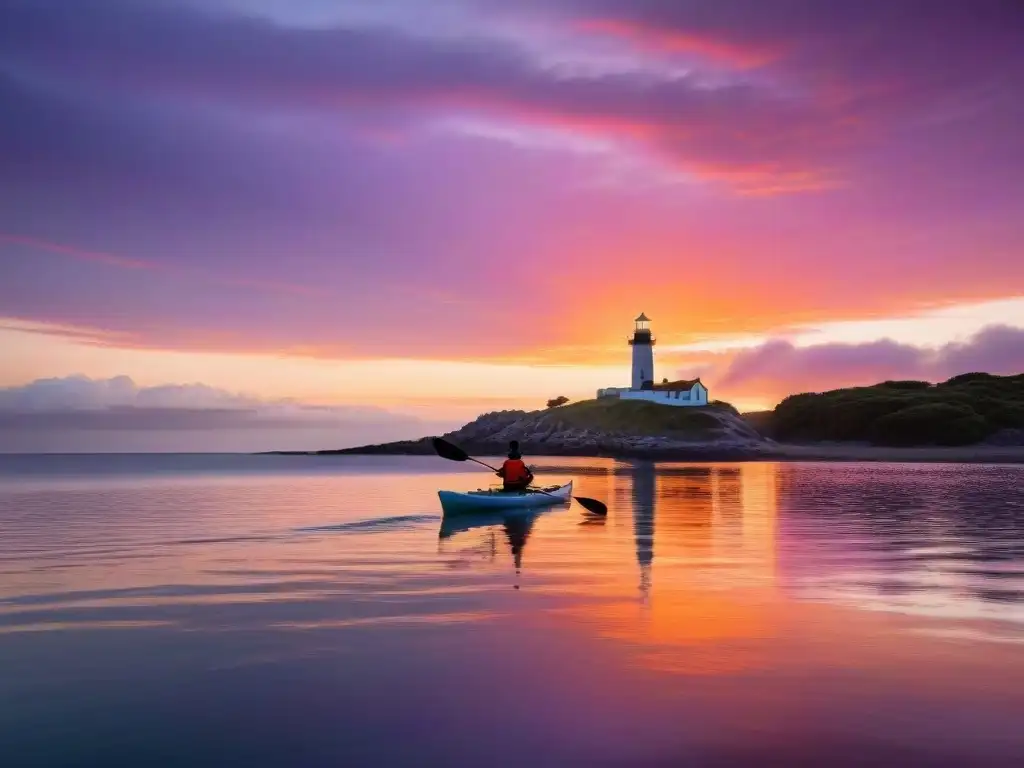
448	451
592	505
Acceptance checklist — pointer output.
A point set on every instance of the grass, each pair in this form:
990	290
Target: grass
641	418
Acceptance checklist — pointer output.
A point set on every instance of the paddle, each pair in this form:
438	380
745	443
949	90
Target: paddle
453	453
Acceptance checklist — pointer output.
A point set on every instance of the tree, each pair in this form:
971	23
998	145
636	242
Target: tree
560	400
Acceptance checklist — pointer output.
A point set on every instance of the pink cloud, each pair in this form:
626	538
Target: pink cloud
778	368
679	41
230	150
737	127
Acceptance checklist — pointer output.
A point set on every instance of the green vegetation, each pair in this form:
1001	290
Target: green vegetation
961	411
724	406
560	400
640	418
761	421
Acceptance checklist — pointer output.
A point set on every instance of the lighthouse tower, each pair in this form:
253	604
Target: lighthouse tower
643	354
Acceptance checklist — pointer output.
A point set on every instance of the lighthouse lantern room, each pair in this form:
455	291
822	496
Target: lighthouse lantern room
643	354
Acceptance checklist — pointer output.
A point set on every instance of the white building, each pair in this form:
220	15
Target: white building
689	392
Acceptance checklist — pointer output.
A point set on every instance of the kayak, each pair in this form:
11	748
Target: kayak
454	502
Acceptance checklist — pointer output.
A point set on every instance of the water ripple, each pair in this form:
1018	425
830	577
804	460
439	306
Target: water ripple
377	524
170	601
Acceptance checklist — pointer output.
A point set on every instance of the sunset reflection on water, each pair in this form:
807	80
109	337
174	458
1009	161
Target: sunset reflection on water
719	610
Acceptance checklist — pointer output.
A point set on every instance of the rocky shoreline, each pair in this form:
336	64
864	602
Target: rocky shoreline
576	431
717	434
604	449
819	452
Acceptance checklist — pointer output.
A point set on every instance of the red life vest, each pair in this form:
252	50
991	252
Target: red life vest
515	471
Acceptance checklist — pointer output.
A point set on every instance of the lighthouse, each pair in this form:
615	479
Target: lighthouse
643	354
684	392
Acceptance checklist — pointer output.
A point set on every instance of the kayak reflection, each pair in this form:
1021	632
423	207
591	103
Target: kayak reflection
517	527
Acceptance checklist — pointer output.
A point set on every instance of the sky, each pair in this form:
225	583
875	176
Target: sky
389	217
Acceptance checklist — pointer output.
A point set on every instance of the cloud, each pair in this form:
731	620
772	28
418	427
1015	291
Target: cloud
81	393
778	368
250	161
112	206
156	51
873	42
113	260
50	414
891	81
805	86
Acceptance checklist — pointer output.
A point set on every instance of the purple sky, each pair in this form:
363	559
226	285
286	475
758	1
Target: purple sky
483	180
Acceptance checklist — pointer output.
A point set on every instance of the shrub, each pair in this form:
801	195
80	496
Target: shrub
967	378
908	384
930	424
560	400
844	416
762	422
725	406
965	409
1006	416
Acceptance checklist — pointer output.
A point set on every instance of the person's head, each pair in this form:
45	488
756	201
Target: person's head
513	450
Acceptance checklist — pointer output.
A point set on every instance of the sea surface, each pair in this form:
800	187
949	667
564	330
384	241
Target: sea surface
188	610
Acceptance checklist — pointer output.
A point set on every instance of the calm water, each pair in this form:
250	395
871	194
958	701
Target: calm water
223	610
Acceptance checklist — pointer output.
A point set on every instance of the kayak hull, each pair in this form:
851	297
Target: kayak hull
454	502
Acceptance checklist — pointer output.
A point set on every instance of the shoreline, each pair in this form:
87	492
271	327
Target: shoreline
894	422
778	452
968	454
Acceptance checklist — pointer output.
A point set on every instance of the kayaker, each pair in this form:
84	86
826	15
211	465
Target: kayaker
514	472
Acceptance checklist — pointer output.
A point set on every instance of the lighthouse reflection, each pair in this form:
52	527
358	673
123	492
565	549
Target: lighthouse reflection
677	538
696	591
681	502
643	479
